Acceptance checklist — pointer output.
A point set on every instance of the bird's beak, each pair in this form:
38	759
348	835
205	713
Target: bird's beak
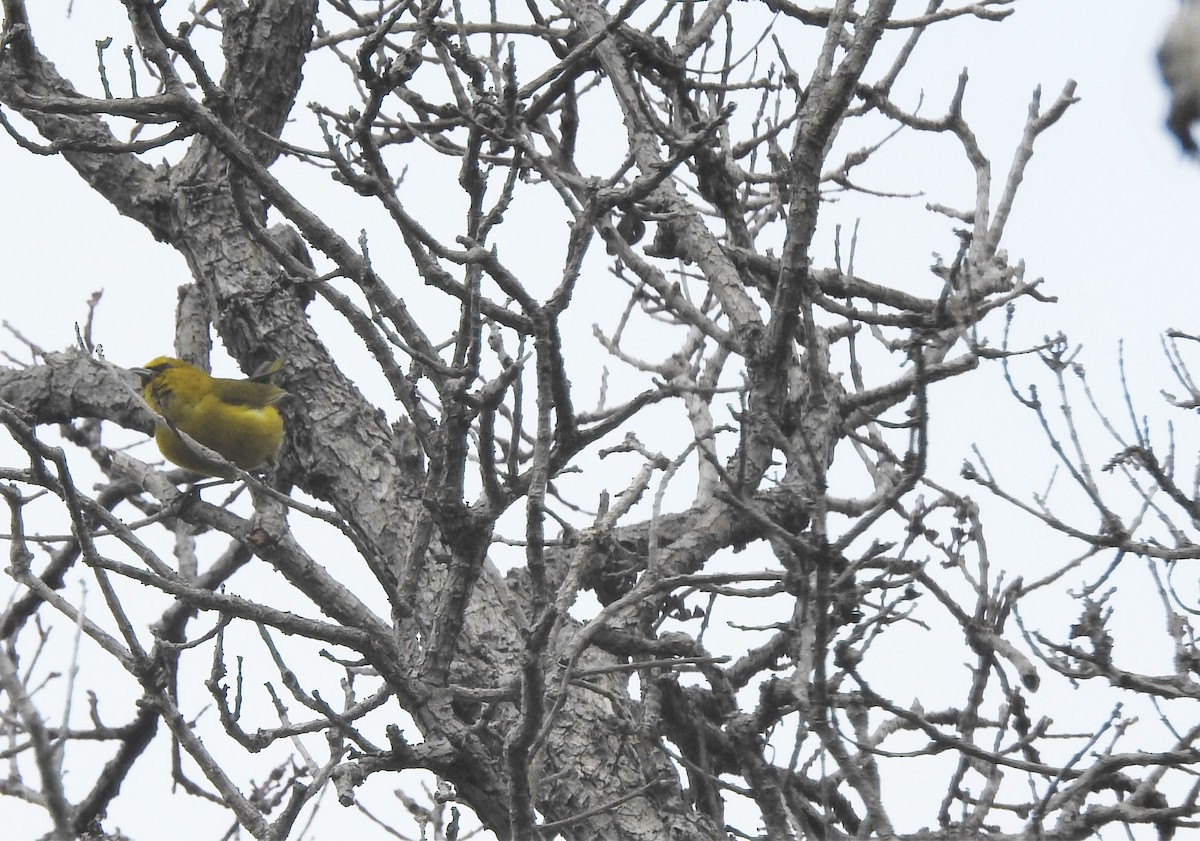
143	374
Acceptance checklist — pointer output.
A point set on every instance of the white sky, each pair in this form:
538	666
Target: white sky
1107	213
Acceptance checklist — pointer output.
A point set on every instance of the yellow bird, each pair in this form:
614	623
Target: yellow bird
236	418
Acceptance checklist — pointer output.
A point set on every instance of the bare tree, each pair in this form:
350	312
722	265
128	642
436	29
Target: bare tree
1132	518
656	662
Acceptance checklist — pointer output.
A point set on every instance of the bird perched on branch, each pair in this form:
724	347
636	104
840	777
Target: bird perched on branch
235	418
